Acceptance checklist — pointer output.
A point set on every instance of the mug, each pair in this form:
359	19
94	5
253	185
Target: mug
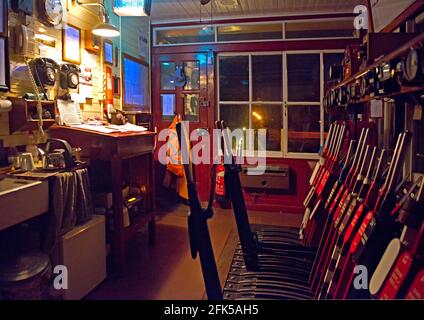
15	161
27	161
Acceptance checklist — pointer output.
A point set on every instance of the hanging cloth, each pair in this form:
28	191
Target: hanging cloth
174	163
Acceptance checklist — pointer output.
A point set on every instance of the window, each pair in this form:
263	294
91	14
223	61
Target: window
280	92
337	28
168	106
303	75
185	35
304	128
257	31
234	78
251	95
246	32
135	89
267	80
167	76
303	102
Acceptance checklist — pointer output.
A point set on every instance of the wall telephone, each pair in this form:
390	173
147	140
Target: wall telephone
25	41
69	76
25	6
44	71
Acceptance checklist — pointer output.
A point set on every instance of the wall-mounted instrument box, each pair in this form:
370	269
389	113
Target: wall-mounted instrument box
379	44
274	178
351	61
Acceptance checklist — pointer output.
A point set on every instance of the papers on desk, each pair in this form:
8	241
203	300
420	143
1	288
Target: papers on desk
71	115
128	127
70	112
101	129
111	128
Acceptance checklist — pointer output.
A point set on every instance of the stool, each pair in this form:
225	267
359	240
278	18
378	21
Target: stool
25	276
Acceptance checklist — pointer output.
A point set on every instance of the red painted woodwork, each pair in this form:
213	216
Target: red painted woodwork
287	201
206	115
286	45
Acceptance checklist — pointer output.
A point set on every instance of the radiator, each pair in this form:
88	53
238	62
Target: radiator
274	178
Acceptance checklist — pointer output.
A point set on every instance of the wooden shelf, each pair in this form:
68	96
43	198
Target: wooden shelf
20	116
403	90
415	42
136	225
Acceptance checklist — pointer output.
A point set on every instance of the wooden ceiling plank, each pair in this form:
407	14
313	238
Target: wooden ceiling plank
184	9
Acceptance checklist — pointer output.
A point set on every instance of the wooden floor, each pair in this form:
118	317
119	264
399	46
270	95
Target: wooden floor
166	270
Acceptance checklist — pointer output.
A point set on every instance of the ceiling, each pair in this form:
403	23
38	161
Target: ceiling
184	10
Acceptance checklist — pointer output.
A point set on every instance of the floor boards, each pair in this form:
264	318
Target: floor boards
166	270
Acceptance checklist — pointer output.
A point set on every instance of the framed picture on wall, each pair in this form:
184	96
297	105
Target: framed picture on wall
4	65
71	44
108	52
109	85
4	18
135	84
116	87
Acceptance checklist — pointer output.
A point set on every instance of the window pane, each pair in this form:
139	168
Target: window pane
135	85
192	72
303	77
267	78
167	75
329	60
188	35
250	32
268	117
319	29
235	116
234	78
304	129
191	107
168	106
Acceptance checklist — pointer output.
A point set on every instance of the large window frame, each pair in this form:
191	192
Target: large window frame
215	27
284	103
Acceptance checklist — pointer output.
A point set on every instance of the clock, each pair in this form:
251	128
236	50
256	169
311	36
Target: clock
50	11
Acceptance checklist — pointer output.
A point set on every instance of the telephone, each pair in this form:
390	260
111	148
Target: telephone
25	6
44	71
24	41
69	76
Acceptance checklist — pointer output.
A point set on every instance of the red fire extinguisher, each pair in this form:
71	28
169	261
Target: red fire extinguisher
221	195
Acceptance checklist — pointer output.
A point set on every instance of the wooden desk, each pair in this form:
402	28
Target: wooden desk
115	148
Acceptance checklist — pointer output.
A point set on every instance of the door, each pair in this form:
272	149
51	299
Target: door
181	87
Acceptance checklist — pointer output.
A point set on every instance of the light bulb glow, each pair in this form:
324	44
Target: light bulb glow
106	30
131	8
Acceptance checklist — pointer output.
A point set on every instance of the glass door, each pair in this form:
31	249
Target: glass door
181	88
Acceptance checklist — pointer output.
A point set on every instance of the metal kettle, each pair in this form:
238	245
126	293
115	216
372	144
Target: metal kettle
57	159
